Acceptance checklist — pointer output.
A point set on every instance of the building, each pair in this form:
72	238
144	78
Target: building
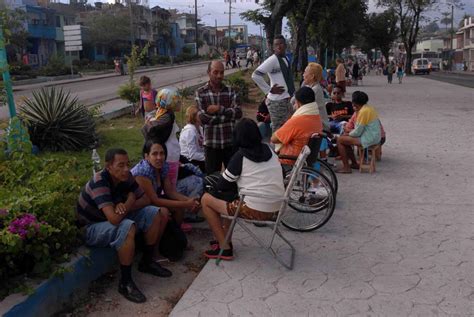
466	43
239	33
429	45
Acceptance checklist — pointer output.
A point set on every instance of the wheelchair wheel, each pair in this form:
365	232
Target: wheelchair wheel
311	203
327	170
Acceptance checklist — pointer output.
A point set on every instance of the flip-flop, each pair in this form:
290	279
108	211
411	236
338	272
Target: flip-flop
355	167
341	171
186	227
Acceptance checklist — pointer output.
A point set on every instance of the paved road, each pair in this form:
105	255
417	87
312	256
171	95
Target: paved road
401	241
98	90
466	80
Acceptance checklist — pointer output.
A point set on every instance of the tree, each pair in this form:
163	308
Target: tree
108	29
301	17
410	13
225	43
446	20
271	17
431	28
381	31
16	36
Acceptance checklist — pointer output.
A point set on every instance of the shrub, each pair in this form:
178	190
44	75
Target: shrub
159	59
129	92
37	223
239	84
55	67
58	122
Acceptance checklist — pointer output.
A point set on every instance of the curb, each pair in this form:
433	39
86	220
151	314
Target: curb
52	295
97	77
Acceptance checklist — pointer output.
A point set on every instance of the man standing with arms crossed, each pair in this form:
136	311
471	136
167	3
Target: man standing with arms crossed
282	86
218	111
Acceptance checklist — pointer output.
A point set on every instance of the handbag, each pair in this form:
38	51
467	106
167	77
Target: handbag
173	242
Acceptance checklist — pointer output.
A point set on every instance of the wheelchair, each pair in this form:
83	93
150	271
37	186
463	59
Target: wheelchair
313	198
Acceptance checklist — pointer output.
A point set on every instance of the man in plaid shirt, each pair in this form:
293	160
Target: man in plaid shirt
218	112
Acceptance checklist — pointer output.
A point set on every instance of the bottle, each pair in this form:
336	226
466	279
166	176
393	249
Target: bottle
95	161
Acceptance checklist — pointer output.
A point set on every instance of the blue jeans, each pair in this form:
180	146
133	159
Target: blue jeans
265	129
105	234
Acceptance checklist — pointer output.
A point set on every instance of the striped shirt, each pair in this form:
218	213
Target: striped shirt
218	127
99	193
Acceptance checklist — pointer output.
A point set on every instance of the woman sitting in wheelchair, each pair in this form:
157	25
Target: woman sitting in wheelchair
295	133
255	169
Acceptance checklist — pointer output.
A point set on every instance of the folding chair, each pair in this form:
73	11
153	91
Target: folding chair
275	224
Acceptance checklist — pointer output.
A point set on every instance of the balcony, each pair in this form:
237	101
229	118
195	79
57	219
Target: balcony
42	31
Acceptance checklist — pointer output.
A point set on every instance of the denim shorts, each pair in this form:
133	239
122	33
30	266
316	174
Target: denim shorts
105	234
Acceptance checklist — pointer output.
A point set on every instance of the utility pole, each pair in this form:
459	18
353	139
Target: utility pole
196	25
132	39
230	24
452	36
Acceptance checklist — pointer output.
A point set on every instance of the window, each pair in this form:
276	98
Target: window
58	21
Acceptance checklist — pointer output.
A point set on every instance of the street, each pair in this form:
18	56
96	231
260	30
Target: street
100	90
401	240
462	79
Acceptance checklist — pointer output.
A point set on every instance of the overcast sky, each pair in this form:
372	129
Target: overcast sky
211	10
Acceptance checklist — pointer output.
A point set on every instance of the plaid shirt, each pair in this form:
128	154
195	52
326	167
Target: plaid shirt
218	128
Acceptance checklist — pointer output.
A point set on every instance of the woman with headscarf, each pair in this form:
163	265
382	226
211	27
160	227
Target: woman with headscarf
255	169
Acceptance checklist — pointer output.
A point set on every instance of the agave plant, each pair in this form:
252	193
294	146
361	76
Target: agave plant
58	122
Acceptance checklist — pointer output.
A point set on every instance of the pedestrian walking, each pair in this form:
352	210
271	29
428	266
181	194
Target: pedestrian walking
228	64
282	85
218	111
341	74
355	74
400	73
249	58
256	58
390	72
234	59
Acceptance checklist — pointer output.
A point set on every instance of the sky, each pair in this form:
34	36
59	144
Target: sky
211	10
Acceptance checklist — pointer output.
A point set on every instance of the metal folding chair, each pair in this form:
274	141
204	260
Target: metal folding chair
268	246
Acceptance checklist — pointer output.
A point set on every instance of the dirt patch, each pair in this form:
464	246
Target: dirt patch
163	294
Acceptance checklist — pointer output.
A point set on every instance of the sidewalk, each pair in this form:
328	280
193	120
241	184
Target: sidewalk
400	242
95	77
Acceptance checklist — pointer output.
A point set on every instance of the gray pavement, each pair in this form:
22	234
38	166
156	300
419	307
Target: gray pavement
465	79
401	241
105	89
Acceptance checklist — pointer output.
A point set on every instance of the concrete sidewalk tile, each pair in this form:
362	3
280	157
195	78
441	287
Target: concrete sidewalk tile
400	242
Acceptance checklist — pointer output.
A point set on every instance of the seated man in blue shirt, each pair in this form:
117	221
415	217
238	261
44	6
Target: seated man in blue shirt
113	208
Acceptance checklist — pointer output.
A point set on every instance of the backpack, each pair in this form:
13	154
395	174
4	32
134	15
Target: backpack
173	242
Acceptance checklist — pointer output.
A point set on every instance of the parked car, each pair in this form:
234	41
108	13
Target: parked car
421	66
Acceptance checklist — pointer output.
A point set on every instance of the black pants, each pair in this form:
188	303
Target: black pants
216	157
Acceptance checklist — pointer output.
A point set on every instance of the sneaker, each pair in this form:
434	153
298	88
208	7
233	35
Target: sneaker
154	269
215	244
131	292
214	254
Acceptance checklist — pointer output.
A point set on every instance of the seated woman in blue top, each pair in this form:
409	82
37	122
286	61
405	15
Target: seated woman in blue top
151	173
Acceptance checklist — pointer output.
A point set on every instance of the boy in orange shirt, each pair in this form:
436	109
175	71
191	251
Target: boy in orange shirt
295	133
